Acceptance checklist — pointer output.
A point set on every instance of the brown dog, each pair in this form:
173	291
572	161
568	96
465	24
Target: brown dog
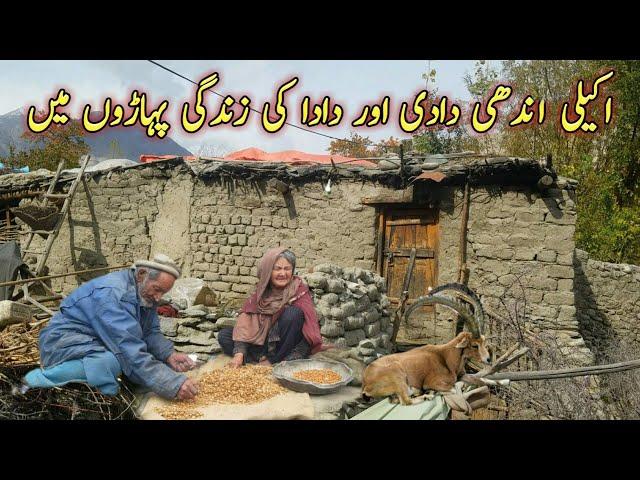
432	367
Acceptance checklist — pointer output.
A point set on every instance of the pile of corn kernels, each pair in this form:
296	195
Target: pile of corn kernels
324	376
245	385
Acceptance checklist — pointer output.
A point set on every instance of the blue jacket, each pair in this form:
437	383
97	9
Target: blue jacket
105	314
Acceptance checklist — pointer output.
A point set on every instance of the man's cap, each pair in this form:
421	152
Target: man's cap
160	262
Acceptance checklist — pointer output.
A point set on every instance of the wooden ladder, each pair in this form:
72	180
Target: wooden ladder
43	255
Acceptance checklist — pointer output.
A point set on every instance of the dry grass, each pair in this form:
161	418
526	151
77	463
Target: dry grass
611	396
18	354
19	345
72	402
620	391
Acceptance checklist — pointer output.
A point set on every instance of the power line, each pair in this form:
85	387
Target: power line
260	112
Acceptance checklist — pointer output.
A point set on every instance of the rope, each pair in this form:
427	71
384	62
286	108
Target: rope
466	402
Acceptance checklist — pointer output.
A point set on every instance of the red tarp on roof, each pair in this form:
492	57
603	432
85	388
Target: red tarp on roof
293	157
290	157
155	158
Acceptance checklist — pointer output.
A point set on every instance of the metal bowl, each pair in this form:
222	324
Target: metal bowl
284	371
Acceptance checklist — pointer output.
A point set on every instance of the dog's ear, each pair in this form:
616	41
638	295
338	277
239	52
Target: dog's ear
464	342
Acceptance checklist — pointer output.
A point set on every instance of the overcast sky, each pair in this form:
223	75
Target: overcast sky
350	83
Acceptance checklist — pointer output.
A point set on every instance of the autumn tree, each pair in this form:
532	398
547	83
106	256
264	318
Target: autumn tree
357	146
442	140
605	163
58	142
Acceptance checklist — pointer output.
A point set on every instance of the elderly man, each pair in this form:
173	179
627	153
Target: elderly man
109	326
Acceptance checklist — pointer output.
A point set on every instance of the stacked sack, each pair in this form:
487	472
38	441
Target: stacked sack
352	309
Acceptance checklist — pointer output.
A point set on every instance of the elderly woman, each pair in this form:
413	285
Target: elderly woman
278	321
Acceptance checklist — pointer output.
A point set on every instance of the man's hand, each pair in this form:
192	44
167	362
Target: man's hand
180	362
188	390
238	360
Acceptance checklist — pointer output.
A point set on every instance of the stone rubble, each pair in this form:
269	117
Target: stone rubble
352	309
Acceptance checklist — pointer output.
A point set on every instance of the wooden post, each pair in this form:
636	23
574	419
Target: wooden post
545	182
463	271
281	186
380	241
402	164
60	275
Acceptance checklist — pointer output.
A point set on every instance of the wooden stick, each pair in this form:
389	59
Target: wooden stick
566	372
488	376
47	277
380	240
404	296
11	349
462	255
39	322
463	271
545	182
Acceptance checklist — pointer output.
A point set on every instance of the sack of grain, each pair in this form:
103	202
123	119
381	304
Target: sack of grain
13	312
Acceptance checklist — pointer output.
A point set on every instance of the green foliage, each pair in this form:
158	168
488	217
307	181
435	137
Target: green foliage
607	230
448	140
482	79
623	156
606	164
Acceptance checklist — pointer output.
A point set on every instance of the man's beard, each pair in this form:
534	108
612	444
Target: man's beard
143	301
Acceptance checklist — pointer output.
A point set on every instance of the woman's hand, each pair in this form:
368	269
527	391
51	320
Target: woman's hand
265	362
237	361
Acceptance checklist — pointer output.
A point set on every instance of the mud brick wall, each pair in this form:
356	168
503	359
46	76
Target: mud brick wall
218	228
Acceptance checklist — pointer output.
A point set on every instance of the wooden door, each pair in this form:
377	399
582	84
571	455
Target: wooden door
405	229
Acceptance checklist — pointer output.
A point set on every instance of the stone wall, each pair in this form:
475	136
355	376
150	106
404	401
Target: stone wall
607	299
520	248
194	332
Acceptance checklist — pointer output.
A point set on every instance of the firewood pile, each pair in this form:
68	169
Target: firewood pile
19	345
19	354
